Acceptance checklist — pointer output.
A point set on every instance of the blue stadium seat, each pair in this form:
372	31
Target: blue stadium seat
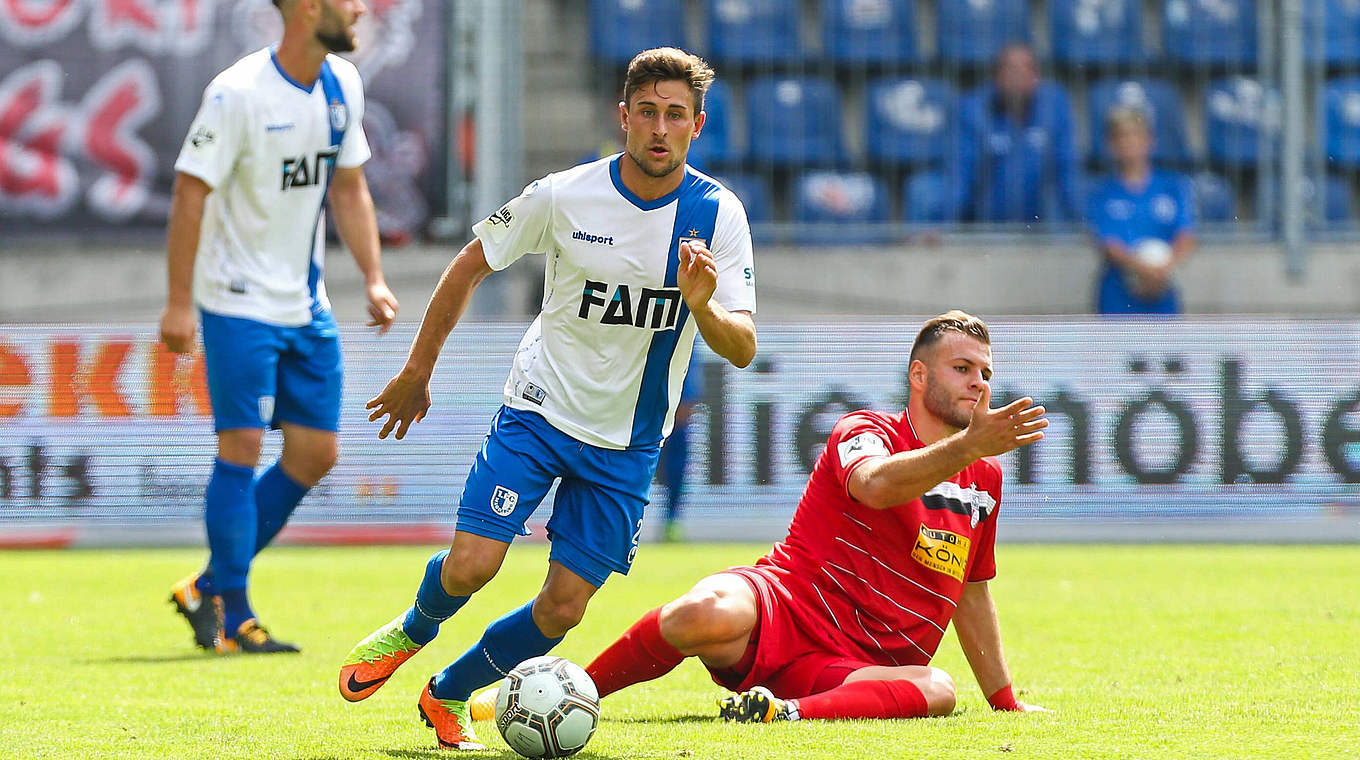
620	29
1210	31
1340	122
924	198
1159	100
1096	31
1331	31
793	121
910	121
714	148
1238	113
1335	203
849	208
754	195
869	31
1215	199
973	31
754	31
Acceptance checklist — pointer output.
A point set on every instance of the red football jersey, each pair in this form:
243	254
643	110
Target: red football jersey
882	585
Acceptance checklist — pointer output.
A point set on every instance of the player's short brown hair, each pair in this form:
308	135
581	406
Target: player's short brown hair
953	320
664	64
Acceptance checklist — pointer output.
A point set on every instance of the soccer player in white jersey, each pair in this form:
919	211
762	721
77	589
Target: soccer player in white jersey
276	131
643	252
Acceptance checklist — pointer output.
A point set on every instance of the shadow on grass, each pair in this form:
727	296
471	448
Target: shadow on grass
153	659
667	719
443	754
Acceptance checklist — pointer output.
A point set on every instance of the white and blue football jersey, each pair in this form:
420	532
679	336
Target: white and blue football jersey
605	361
267	145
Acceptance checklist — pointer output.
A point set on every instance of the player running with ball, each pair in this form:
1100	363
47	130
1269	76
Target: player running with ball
642	252
892	540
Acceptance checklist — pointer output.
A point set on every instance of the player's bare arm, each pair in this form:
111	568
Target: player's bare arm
979	632
406	398
357	223
885	482
731	334
186	219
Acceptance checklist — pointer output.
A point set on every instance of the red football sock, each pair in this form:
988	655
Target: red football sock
864	699
640	654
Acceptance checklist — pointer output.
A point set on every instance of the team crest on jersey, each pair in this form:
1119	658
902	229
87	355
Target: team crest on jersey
339	116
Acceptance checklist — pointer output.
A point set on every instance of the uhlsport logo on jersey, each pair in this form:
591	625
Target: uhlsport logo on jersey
592	238
504	501
632	305
942	551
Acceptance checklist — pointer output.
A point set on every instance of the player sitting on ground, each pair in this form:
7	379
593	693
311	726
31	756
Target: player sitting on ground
893	538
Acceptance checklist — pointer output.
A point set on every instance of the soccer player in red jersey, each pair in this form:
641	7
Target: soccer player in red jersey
892	540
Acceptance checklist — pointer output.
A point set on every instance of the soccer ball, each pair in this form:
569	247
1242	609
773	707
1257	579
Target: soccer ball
547	707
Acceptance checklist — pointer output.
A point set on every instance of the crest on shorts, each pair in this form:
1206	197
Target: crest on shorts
504	501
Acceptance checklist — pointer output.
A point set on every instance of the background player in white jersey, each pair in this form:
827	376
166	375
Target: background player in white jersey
642	252
276	131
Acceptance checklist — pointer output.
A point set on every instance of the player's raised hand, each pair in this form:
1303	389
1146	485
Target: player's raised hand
993	432
177	329
382	307
698	274
404	401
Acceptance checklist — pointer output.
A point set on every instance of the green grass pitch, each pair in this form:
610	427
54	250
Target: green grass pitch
1143	652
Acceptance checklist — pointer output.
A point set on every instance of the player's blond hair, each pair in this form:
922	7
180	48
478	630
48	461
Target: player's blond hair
953	320
665	64
1126	117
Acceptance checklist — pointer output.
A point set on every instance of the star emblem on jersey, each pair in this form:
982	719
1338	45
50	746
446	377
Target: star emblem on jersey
693	232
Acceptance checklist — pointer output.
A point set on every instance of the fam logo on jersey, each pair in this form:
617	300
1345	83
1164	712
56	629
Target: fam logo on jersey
304	172
942	551
202	136
859	447
504	501
632	305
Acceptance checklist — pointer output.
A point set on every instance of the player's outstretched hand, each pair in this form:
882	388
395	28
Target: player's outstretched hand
993	432
698	274
405	400
382	307
177	329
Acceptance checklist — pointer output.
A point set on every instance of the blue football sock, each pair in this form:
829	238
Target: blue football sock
507	642
433	604
229	514
204	582
276	496
235	610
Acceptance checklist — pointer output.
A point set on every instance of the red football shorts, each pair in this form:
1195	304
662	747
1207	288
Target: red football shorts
785	654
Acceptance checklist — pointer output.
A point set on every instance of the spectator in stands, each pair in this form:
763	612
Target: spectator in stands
1015	160
1143	222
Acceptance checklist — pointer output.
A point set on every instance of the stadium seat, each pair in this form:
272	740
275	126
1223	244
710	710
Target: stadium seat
1204	32
619	29
1335	203
1159	100
1096	31
793	121
1331	31
1215	199
754	195
869	31
843	208
924	198
1238	113
754	31
910	121
973	31
714	148
1340	122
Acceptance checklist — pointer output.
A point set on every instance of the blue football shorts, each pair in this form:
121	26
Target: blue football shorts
261	375
597	514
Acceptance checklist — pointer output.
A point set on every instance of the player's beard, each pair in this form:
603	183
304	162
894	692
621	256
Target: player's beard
640	159
940	402
333	34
